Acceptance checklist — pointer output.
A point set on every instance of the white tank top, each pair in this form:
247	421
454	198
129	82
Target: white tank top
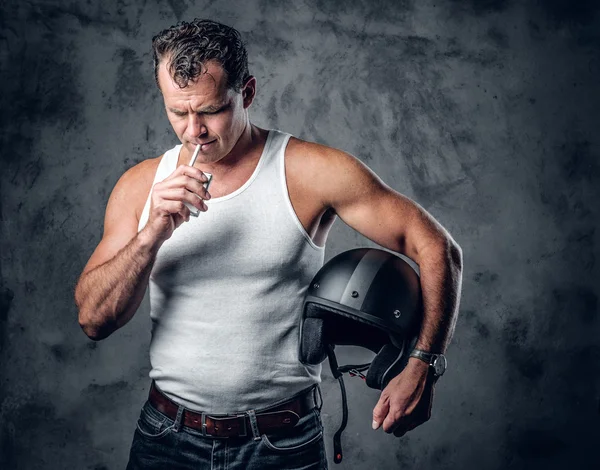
226	293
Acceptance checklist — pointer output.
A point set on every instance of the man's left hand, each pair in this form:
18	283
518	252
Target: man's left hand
405	402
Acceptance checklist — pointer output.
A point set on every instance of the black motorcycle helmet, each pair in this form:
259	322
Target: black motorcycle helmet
363	297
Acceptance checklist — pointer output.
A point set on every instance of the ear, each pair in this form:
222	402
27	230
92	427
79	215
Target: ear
249	91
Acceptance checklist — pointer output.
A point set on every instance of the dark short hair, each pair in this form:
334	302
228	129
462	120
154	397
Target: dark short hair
189	46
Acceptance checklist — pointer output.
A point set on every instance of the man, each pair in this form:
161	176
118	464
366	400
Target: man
226	287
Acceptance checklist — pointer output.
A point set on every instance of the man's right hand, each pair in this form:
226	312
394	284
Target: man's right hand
167	208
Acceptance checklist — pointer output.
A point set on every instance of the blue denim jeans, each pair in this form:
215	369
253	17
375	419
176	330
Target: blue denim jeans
161	443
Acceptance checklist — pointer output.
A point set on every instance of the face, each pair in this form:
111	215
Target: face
206	111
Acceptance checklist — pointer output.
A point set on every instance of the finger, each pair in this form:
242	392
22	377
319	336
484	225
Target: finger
380	411
168	208
392	421
182	194
188	171
413	425
405	426
195	186
405	421
187	182
180	219
421	414
401	431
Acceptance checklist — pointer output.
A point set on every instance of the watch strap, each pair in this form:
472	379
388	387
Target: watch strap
423	355
436	362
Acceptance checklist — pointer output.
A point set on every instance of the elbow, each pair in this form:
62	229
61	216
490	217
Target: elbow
94	331
456	254
94	324
449	250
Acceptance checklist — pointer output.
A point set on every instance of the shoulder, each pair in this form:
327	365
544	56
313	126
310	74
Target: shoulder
311	152
329	173
135	184
314	157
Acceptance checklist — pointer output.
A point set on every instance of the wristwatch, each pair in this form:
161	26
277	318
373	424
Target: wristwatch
436	361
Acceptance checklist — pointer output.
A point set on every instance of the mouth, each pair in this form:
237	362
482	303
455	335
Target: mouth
206	145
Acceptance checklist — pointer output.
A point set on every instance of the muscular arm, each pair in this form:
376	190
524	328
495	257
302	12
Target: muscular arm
441	279
109	295
113	283
395	222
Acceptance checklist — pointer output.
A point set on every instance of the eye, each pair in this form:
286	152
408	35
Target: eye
220	110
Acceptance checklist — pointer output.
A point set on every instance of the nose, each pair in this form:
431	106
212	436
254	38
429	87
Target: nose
196	126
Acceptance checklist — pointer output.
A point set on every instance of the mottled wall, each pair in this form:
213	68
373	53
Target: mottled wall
484	112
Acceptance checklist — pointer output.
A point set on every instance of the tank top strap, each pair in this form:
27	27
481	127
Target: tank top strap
272	159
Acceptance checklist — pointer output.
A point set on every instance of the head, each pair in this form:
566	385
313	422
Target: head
201	68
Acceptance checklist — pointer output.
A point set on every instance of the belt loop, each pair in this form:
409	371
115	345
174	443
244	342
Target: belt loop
318	390
178	418
203	424
254	425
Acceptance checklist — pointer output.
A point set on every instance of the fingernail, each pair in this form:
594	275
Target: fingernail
375	425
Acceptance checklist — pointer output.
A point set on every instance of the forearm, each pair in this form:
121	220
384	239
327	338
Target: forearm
109	295
441	279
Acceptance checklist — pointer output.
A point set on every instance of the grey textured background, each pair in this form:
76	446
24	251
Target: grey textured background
484	112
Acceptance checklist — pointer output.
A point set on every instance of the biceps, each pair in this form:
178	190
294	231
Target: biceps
120	220
120	226
391	220
379	215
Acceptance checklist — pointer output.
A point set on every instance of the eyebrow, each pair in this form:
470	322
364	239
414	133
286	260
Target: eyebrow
207	109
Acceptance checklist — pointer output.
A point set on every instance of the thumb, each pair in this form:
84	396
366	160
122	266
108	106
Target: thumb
380	411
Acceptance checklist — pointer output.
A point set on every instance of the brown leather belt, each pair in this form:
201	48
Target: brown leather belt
284	415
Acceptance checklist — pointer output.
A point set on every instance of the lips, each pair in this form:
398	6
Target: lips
206	144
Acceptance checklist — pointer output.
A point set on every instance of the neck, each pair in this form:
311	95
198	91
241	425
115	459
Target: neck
247	141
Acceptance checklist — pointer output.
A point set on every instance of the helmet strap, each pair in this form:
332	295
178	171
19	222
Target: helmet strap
337	437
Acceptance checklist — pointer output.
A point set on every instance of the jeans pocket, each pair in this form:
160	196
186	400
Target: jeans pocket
152	424
307	432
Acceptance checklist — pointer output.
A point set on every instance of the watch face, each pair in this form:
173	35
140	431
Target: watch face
439	365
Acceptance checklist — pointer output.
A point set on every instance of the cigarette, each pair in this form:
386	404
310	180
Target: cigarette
193	210
195	155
